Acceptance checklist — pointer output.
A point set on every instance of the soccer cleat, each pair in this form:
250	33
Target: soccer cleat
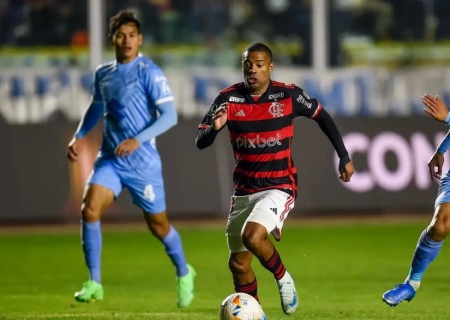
91	291
185	288
288	294
401	292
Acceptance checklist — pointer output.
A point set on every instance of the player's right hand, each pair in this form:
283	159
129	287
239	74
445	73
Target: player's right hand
435	165
72	150
220	116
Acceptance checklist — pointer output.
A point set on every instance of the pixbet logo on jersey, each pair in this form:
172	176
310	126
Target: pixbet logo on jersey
258	142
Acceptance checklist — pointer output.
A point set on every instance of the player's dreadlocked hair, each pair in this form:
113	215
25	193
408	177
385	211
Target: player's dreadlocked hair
123	17
259	47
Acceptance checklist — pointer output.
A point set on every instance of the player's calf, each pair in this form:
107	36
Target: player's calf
427	249
244	279
96	199
429	244
160	227
254	237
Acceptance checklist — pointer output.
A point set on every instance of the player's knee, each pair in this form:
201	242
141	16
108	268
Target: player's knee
90	213
239	267
439	228
253	235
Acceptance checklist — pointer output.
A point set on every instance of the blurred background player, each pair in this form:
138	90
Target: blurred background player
432	238
129	91
259	114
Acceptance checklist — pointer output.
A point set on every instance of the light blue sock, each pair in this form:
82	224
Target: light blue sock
426	251
174	249
91	237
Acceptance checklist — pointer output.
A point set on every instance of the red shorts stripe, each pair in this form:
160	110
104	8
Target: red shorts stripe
287	206
251	190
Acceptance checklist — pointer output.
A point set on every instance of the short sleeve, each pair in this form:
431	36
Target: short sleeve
157	86
207	119
304	105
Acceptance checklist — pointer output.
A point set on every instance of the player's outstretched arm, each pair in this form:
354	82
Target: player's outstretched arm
309	107
94	111
88	121
329	127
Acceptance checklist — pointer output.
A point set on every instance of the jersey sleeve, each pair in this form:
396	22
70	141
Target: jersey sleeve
157	86
304	105
207	119
96	92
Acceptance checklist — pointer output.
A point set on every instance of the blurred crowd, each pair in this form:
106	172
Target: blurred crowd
226	22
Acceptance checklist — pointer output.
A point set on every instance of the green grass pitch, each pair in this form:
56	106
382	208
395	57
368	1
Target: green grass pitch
340	273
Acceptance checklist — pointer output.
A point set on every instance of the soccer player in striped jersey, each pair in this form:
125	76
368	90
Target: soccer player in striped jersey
432	238
259	114
130	92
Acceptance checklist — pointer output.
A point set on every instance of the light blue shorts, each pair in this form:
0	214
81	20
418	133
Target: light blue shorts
146	186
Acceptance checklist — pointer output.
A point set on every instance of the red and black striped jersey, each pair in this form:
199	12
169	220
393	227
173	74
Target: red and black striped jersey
261	132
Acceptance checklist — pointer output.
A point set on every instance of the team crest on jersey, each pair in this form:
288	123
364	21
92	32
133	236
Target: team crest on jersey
276	109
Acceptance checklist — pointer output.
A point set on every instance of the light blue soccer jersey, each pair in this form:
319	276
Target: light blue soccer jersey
131	94
136	102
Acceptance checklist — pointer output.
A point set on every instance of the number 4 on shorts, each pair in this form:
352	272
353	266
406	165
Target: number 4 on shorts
149	193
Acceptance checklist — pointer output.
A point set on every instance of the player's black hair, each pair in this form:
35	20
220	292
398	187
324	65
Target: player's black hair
123	17
259	47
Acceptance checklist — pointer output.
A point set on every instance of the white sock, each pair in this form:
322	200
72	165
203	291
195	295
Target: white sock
285	278
414	284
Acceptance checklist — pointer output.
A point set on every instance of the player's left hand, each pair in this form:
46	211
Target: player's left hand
127	147
435	165
435	107
349	169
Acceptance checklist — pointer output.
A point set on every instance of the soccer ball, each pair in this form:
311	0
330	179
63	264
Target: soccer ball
241	306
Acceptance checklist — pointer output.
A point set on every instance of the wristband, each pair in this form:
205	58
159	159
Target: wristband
447	119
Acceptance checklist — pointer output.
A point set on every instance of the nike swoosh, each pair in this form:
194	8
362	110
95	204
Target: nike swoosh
294	303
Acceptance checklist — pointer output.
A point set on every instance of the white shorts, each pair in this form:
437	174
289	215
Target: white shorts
268	208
